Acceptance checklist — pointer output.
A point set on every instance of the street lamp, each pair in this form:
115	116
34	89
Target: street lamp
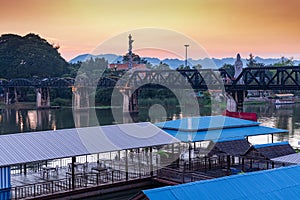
186	47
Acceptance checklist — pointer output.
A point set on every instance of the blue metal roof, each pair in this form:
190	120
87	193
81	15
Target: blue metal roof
223	134
280	183
257	146
205	123
46	145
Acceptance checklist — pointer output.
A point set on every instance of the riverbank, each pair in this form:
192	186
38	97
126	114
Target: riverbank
19	105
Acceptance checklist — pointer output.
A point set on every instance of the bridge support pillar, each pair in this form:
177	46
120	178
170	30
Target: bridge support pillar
130	101
235	101
76	100
43	98
80	98
16	95
239	98
6	98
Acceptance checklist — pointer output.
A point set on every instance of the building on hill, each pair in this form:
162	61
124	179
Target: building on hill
130	60
125	66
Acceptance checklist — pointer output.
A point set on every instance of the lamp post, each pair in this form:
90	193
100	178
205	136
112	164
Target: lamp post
186	47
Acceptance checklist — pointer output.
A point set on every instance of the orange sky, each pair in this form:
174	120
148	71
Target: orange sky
267	28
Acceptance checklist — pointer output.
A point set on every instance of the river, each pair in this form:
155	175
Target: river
16	121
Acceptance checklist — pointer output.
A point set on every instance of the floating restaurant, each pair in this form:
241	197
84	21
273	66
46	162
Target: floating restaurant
106	159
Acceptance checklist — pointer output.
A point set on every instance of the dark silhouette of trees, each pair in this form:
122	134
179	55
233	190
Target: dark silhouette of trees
29	56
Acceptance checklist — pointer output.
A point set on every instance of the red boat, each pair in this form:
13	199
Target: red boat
242	115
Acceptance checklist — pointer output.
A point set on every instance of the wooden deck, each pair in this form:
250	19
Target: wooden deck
50	181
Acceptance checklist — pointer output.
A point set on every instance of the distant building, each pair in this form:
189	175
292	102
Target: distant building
130	60
125	66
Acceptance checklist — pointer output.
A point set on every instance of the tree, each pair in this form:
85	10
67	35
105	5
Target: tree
28	56
182	67
229	69
251	62
135	59
198	66
285	62
91	70
162	66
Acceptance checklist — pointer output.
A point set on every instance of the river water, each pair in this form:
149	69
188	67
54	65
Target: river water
16	121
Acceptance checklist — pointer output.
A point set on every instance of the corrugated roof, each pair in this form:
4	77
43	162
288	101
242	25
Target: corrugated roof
280	183
233	147
46	145
205	123
291	158
271	150
258	146
223	134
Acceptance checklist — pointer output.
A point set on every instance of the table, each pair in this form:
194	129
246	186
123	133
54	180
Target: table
99	169
106	162
75	173
76	166
46	171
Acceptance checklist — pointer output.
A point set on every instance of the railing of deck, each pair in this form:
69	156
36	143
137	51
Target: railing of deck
80	181
38	189
179	176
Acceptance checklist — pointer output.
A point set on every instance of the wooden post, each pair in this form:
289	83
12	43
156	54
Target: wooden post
243	164
126	164
151	162
190	152
183	173
221	161
272	136
172	151
228	163
73	172
205	163
139	163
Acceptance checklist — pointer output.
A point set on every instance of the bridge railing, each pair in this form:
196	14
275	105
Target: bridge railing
251	78
268	78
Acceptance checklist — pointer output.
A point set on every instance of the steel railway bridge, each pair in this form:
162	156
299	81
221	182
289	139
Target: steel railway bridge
252	78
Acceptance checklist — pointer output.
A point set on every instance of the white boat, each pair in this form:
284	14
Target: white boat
284	99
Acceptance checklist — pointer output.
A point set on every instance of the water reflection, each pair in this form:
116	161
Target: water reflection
14	121
284	117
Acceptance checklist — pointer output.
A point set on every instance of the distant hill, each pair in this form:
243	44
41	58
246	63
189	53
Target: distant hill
29	56
174	62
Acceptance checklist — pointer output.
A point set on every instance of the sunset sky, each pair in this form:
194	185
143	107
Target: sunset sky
266	28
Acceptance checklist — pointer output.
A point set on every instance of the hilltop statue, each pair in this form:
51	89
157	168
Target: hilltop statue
238	68
130	43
